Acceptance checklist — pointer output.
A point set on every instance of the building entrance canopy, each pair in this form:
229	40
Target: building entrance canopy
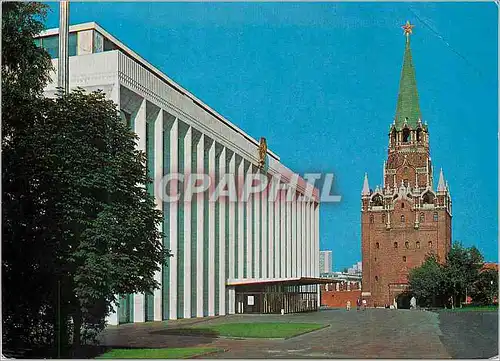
286	295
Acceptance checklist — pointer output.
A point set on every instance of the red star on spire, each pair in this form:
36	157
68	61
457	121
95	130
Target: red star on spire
408	28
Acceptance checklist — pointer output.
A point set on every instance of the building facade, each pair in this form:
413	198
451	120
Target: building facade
325	262
226	254
406	218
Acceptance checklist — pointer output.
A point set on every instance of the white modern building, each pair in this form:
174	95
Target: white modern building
229	257
325	262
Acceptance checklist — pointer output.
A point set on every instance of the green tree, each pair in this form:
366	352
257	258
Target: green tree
78	224
427	282
461	271
485	288
436	284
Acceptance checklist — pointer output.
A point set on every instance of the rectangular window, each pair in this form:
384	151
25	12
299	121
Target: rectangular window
51	45
98	43
72	44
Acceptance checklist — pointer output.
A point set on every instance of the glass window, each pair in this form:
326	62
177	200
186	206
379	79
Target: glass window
402	219
417	245
72	43
109	45
435	217
51	45
98	42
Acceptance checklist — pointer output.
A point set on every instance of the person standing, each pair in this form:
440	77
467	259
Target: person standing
358	304
348	306
364	304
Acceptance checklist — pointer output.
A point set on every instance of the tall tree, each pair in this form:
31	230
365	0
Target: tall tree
427	282
78	224
461	271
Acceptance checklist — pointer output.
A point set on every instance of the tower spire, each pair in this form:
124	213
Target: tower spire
441	184
366	186
407	108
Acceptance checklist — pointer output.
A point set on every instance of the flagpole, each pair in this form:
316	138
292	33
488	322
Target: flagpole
63	62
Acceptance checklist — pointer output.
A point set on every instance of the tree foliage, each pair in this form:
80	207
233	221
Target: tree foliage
78	224
435	284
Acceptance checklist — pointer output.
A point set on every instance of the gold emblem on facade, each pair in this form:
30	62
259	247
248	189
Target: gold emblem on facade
262	152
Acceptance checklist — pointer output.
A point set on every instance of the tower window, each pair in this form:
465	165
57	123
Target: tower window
377	245
430	244
422	217
404	258
435	217
402	205
428	198
406	135
376	278
371	218
402	219
407	244
383	217
417	245
395	244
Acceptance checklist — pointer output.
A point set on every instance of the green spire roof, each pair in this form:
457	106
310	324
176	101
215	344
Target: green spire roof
407	106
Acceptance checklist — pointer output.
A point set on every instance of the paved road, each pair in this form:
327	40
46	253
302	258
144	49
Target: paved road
470	334
374	333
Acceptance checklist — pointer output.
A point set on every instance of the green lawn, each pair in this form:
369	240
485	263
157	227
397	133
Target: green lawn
157	353
261	329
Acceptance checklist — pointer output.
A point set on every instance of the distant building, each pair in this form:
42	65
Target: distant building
325	261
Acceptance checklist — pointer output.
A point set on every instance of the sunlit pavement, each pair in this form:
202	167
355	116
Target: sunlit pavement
374	333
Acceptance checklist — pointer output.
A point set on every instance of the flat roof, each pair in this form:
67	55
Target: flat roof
157	72
280	281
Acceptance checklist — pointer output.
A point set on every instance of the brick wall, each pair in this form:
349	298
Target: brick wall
338	299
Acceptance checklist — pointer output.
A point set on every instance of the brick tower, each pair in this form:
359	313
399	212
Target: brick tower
406	218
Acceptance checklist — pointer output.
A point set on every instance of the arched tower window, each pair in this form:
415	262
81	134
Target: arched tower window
404	258
430	244
383	217
395	244
402	219
435	216
402	205
376	278
377	245
377	200
417	245
371	218
406	135
428	198
407	244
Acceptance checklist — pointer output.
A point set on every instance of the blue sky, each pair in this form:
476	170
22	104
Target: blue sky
320	82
